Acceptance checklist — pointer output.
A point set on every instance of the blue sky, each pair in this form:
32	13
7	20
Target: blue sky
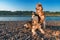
29	5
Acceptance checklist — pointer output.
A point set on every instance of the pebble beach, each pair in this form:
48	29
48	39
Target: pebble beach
15	30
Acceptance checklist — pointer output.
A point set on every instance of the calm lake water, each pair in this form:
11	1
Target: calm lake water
49	18
53	18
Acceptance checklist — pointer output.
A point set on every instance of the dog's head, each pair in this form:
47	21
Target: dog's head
39	8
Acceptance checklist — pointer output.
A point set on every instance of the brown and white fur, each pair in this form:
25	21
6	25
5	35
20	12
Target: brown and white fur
34	23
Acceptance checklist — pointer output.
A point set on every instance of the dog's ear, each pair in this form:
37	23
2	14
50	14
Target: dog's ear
33	15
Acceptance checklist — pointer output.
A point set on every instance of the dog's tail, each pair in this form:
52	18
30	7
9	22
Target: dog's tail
25	25
29	23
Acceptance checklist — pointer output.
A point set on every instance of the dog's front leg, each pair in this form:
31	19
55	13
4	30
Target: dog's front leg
33	30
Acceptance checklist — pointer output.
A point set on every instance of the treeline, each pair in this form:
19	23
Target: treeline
20	13
48	13
27	13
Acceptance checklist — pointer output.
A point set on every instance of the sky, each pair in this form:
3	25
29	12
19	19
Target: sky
29	5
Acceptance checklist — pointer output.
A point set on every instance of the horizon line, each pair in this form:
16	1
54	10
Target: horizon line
26	10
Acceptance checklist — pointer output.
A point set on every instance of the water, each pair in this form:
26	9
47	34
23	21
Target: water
14	18
48	18
53	18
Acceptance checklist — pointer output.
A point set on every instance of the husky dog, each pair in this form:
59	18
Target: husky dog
36	25
37	20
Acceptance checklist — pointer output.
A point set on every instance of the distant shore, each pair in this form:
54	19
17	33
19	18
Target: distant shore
26	13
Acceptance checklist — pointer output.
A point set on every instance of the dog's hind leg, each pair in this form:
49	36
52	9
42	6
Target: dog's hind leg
41	30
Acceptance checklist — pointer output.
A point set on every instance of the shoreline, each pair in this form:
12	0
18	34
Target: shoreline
48	23
53	23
